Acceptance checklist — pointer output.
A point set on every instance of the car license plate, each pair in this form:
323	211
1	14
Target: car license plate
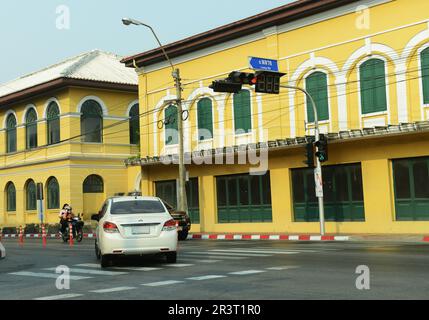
141	230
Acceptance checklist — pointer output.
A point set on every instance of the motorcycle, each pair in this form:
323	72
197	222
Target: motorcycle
77	230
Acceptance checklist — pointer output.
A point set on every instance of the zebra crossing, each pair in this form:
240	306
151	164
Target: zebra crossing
187	259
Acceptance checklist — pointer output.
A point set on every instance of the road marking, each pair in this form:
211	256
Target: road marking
162	283
45	275
283	268
94	272
113	290
247	272
202	261
88	265
62	296
274	250
179	265
256	251
214	257
144	269
210	277
212	252
97	266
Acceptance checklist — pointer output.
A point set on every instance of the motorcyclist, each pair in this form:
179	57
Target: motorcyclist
66	216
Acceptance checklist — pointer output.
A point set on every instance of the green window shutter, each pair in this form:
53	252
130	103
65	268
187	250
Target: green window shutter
242	112
135	124
205	119
425	75
53	194
11	197
31	196
317	86
171	127
373	86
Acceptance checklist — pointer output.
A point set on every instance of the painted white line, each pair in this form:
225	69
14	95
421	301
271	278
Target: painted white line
247	272
283	268
113	290
62	296
234	254
144	269
94	272
213	257
202	261
162	283
44	275
210	277
2	251
178	265
88	265
256	251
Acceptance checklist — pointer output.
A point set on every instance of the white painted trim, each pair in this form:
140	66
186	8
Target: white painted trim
95	98
45	111
132	104
138	181
340	82
413	43
314	63
6	115
221	121
259	103
368	115
423	106
116	118
27	108
292	113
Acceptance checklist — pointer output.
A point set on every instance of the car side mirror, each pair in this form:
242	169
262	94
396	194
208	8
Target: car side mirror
95	217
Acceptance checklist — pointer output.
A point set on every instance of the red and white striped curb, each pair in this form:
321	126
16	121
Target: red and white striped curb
426	239
36	235
266	237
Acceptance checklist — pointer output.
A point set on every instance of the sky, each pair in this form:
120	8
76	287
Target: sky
36	34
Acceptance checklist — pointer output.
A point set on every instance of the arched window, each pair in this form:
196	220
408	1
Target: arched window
425	74
317	85
30	191
91	122
93	184
53	122
171	128
242	112
373	86
53	193
10	197
205	119
11	133
31	129
135	124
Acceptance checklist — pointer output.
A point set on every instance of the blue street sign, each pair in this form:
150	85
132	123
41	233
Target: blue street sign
264	64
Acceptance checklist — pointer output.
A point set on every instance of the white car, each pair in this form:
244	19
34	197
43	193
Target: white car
135	226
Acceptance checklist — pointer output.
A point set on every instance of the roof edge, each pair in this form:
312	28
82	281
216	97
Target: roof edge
280	15
64	82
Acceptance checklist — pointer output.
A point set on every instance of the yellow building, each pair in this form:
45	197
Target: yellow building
367	65
69	127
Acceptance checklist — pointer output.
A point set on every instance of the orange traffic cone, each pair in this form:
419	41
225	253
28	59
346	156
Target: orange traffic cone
71	235
44	242
21	236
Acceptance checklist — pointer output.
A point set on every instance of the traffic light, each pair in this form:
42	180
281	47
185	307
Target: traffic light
264	82
322	148
268	82
309	154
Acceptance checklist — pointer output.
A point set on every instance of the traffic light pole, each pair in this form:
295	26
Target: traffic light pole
319	165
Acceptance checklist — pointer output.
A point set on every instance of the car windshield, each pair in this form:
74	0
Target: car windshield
137	207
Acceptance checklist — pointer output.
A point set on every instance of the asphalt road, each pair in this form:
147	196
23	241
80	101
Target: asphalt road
220	270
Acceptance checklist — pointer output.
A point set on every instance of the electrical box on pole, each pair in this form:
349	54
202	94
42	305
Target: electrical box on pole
309	155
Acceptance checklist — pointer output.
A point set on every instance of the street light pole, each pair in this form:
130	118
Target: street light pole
182	201
319	165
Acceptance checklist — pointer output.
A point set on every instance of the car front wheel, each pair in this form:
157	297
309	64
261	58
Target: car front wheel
106	261
171	257
97	252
